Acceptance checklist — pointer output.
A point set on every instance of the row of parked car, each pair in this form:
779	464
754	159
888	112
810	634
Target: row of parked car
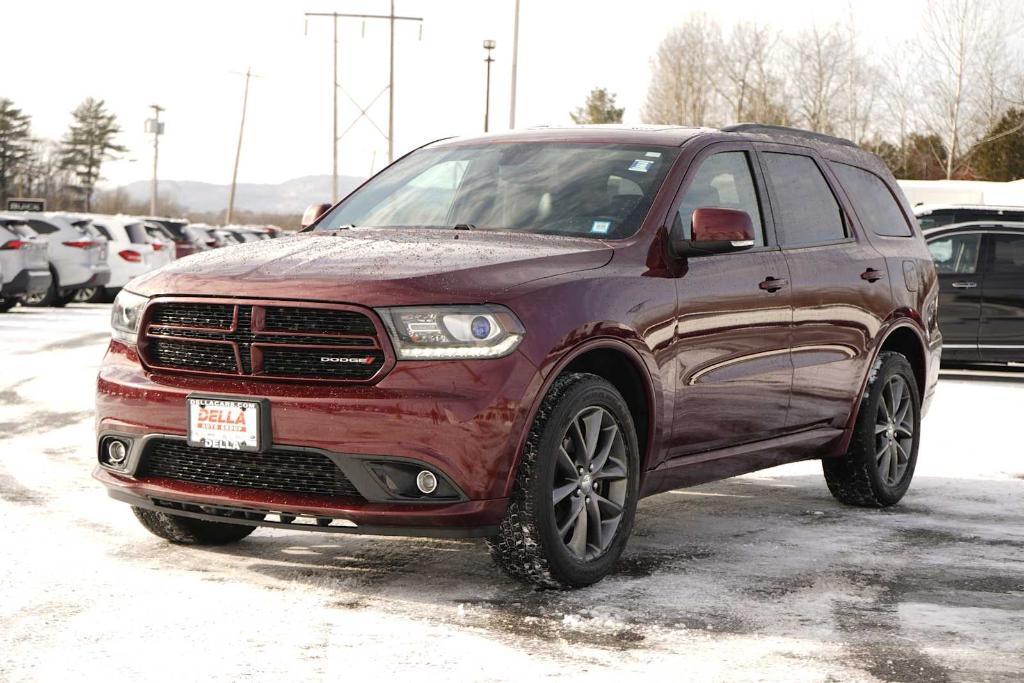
53	258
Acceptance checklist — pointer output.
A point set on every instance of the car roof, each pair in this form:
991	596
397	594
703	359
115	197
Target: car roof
1015	226
924	209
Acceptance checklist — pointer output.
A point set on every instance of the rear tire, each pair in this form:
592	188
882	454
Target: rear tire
50	298
191	531
574	499
879	465
88	295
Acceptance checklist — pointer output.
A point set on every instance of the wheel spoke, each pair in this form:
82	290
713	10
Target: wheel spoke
881	427
902	451
897	396
882	450
594	523
572	518
884	458
578	542
611	470
609	436
612	509
894	461
563	492
565	460
905	431
592	432
580	452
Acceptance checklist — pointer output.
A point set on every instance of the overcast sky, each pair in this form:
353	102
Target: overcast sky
185	55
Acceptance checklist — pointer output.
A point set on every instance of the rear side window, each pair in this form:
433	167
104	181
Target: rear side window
102	229
956	254
873	201
1007	254
22	229
806	210
43	228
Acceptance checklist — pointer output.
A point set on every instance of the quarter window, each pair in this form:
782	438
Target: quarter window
723	181
957	254
806	210
873	201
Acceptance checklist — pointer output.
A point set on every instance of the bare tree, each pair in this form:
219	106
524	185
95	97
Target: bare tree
747	82
818	67
901	95
682	89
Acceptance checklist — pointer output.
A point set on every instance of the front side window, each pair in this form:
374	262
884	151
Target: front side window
1007	254
582	190
806	210
722	181
873	202
956	254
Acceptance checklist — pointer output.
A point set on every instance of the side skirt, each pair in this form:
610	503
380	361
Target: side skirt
700	468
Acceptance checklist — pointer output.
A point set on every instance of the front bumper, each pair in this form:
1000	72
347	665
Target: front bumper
462	419
27	282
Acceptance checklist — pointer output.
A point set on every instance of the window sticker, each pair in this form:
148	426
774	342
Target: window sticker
641	165
654	155
601	227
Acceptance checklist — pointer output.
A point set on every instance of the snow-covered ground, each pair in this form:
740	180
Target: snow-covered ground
763	577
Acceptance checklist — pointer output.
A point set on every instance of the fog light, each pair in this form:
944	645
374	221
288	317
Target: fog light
117	452
426	481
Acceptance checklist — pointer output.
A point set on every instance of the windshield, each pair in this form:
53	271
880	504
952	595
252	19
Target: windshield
586	190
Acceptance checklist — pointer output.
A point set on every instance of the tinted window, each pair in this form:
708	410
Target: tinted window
585	190
956	254
873	201
806	210
1007	253
22	229
102	229
724	181
43	228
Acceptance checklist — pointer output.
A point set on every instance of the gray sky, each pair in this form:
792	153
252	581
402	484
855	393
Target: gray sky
181	54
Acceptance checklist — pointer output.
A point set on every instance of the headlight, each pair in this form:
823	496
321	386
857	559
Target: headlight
422	333
126	315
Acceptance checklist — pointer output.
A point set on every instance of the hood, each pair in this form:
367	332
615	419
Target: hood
377	266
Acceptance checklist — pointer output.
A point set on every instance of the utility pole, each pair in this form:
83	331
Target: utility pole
156	127
515	69
489	46
335	86
238	150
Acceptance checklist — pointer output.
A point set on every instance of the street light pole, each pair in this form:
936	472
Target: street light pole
489	46
156	127
238	150
515	69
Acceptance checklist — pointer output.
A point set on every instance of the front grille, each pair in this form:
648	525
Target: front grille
271	341
275	470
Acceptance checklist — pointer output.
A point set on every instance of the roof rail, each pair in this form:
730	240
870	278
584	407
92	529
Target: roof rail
786	130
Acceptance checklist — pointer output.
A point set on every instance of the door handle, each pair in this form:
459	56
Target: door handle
965	285
773	284
872	275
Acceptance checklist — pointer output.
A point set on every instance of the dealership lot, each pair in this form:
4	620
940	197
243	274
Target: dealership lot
760	577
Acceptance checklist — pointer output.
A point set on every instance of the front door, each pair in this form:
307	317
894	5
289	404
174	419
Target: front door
1001	332
733	322
957	262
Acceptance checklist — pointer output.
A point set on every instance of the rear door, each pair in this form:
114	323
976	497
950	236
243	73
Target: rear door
734	314
1001	331
957	257
841	292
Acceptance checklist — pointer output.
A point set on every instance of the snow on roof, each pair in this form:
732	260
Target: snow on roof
963	193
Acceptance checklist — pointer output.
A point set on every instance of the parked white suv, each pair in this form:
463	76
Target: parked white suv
77	259
130	250
23	264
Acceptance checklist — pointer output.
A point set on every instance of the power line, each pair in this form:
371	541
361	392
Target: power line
363	111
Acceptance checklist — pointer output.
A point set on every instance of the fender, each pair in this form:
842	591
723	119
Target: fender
898	323
640	362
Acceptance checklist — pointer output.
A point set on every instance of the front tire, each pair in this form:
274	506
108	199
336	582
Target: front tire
191	531
574	499
879	465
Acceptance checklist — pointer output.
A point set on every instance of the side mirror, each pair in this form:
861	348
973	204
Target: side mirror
313	213
717	231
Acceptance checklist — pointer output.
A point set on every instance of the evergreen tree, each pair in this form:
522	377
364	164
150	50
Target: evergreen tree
15	145
88	143
1000	154
600	108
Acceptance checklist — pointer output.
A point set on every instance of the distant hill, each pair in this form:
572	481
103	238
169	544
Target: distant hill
289	197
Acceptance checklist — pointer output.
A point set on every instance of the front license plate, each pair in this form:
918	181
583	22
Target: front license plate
223	423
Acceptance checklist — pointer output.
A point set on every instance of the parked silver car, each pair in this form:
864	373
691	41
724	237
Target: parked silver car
24	268
77	259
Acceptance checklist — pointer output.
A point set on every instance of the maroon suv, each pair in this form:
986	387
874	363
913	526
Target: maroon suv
518	336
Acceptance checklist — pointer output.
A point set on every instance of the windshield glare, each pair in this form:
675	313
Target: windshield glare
585	190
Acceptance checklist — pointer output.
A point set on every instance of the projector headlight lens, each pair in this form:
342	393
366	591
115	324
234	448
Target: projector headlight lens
456	332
